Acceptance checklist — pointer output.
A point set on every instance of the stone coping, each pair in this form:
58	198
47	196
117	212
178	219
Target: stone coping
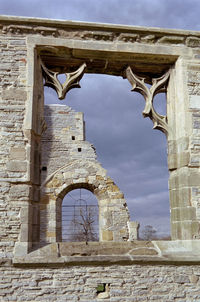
95	253
94	26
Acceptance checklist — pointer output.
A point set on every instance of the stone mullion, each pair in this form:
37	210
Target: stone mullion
182	178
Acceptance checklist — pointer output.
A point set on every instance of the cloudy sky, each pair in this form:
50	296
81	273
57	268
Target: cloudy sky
134	154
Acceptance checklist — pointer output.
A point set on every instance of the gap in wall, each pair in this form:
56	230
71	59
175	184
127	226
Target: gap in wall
134	155
80	216
159	103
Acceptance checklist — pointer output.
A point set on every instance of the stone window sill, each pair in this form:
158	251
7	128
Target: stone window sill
102	253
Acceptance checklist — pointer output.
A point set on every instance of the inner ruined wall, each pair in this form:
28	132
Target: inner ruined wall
63	139
159	278
69	162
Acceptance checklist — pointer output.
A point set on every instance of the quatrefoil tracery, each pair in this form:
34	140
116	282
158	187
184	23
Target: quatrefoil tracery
72	80
158	85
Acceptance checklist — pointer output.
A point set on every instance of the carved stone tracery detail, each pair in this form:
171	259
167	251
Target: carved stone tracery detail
97	35
158	85
25	29
72	80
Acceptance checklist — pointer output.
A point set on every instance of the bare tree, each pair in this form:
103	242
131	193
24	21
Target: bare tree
83	225
149	232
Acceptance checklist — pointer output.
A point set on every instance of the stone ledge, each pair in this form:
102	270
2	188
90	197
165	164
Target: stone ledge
108	253
103	260
94	26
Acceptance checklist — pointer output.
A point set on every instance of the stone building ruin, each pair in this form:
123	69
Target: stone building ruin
71	163
44	156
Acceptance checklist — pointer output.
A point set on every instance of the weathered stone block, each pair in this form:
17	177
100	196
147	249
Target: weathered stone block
182	214
195	102
193	41
178	146
17	166
18	153
193	278
51	234
106	248
18	42
107	235
180	197
25	232
14	94
184	177
194	177
133	227
21	249
18	191
171	40
185	230
178	160
144	251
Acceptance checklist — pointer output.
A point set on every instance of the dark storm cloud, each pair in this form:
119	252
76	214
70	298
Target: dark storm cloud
134	154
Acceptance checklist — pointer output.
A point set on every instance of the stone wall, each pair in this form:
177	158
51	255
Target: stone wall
13	160
80	283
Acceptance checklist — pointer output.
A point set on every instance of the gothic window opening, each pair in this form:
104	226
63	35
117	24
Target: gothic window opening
80	216
46	163
134	155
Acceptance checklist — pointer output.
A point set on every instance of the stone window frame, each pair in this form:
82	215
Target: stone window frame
183	228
